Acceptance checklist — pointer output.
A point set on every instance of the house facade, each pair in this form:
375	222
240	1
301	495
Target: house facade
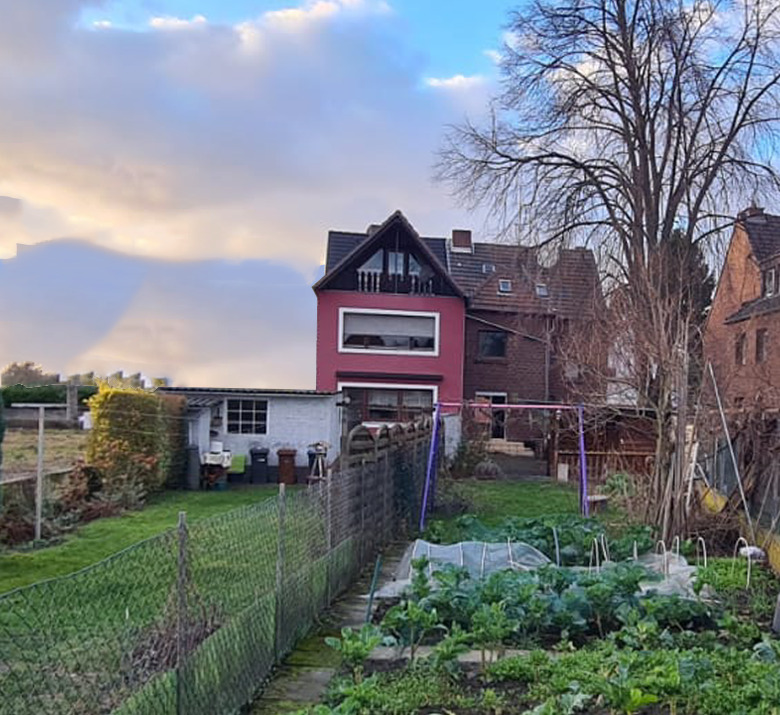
390	323
742	329
404	321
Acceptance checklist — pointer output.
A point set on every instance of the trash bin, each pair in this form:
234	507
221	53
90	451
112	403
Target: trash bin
193	467
286	465
258	470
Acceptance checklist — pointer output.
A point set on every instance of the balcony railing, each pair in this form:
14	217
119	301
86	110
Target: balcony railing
369	281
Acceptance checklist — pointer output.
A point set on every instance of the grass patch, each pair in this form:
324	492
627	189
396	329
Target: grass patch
494	501
497	500
104	537
61	449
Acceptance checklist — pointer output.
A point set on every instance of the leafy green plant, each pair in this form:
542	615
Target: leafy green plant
444	657
355	646
420	586
410	623
490	627
492	702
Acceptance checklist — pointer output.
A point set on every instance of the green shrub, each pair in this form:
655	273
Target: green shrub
136	436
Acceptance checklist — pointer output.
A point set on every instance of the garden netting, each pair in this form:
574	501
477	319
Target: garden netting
481	558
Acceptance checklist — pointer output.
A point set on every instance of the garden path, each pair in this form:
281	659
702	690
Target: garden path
301	680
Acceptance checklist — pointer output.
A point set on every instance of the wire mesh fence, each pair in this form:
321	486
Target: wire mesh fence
192	621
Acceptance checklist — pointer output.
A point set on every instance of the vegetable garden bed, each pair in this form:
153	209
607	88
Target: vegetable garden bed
595	642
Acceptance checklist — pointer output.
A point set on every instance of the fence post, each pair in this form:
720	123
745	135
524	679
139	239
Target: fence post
278	620
329	533
39	474
181	612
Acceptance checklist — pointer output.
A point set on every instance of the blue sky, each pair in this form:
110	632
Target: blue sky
180	147
452	34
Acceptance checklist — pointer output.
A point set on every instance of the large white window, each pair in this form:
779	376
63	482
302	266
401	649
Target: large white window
364	330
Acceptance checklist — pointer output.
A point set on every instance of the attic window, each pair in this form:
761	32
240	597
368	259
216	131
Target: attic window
504	286
769	282
542	290
488	268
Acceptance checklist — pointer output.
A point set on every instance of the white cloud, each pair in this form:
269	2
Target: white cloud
493	55
457	82
177	23
241	141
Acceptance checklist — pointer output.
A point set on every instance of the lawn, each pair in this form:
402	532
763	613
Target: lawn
495	500
104	537
61	449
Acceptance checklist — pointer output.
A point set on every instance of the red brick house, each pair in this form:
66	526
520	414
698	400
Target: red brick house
740	337
404	321
518	313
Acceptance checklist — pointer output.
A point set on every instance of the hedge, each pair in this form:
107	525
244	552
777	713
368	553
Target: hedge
46	394
138	436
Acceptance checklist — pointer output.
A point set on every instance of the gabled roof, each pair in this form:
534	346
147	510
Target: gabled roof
763	231
572	283
348	247
342	243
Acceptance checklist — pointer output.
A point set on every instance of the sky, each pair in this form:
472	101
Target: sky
169	169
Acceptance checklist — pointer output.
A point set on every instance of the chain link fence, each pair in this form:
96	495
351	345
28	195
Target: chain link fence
193	620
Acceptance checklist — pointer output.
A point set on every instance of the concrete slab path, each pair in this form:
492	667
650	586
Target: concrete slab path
302	679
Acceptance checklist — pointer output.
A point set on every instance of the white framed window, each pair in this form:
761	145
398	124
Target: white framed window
542	290
247	416
375	404
381	332
504	285
488	268
770	276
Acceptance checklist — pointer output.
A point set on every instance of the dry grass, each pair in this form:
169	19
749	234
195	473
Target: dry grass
61	449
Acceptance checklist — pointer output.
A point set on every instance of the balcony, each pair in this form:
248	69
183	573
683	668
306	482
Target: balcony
372	281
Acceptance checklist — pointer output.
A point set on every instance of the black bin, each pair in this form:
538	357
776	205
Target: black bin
258	468
312	453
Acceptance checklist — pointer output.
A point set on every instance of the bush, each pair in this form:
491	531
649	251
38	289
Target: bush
136	437
46	394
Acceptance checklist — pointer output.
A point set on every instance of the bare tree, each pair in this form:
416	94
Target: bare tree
624	124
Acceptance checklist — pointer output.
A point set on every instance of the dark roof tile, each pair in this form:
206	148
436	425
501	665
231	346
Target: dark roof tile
342	243
763	231
761	306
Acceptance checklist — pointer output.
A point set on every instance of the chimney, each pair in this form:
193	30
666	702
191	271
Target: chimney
372	229
461	241
751	211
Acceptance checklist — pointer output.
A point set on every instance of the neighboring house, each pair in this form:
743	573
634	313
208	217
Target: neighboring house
404	321
741	334
390	323
518	314
243	418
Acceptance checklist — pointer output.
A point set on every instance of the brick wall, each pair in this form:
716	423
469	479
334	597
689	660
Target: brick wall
740	282
521	374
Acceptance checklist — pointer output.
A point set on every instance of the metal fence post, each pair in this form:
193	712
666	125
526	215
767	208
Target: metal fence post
181	612
329	533
278	620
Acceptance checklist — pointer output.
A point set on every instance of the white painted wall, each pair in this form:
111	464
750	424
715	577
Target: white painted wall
294	421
